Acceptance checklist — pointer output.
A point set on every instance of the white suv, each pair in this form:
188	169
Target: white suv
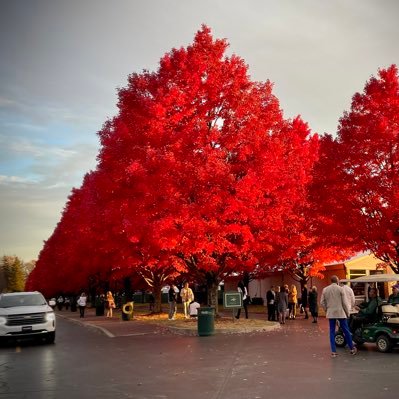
26	314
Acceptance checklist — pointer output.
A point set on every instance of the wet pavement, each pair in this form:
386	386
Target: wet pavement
96	357
111	327
292	361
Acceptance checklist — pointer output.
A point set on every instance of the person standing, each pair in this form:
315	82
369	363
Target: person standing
282	304
334	303
110	303
60	302
187	297
271	303
304	300
277	297
172	300
349	296
292	301
313	306
52	302
244	292
67	302
82	302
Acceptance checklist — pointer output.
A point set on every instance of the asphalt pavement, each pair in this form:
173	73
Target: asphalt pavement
96	357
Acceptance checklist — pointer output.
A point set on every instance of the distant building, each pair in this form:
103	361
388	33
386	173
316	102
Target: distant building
359	265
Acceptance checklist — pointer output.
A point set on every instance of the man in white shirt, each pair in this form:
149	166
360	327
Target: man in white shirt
187	297
349	296
334	303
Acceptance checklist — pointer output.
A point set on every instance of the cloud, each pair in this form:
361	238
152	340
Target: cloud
14	179
23	146
58	89
31	206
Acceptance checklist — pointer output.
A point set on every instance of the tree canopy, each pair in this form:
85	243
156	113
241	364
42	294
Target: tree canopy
198	170
360	170
200	174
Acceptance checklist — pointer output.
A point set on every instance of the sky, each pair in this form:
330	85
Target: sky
61	62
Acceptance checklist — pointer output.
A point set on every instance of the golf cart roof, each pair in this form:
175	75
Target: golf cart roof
374	278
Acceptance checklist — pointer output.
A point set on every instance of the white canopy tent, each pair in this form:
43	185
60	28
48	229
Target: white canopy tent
373	278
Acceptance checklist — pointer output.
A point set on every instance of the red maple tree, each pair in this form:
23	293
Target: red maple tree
199	171
361	170
207	166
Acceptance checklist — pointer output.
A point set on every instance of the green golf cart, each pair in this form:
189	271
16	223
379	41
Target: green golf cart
384	331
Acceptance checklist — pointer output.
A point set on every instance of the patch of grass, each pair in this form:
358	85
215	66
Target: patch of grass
221	323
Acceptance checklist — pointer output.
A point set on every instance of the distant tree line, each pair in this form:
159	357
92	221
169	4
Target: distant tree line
13	273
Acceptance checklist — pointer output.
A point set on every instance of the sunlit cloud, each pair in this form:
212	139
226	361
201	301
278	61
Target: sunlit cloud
5	180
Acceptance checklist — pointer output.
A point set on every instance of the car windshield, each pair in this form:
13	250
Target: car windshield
8	301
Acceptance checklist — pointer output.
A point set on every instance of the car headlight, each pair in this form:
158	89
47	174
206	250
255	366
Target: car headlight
3	320
50	316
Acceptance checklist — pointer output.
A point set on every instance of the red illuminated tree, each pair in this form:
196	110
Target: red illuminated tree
199	173
206	165
361	169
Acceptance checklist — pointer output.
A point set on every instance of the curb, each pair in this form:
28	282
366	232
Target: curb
194	332
88	324
178	330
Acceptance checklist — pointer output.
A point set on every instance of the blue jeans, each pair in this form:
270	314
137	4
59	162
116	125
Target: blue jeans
343	323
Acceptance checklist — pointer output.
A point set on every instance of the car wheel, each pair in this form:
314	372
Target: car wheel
383	343
50	338
340	340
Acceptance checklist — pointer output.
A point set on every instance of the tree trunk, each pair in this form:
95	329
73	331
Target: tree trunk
127	285
158	298
212	284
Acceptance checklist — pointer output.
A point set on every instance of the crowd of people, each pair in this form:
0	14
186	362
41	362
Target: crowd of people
109	302
190	305
79	302
282	303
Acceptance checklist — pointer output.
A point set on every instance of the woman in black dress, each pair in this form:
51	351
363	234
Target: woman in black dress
313	306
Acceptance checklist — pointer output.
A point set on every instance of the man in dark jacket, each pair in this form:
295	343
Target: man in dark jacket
367	311
271	304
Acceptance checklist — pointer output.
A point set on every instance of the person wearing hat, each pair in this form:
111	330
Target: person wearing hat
393	299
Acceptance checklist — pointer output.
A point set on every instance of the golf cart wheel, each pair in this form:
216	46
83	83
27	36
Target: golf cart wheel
383	343
340	340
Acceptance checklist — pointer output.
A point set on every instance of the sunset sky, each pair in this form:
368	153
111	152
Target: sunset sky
62	61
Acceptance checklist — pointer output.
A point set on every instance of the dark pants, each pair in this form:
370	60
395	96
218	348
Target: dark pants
82	311
245	305
357	320
271	312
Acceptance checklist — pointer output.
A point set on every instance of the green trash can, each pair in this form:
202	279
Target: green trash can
206	321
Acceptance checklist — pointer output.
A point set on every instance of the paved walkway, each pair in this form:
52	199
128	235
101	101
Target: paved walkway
116	327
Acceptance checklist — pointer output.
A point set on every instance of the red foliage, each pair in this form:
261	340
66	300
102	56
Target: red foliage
199	170
362	169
